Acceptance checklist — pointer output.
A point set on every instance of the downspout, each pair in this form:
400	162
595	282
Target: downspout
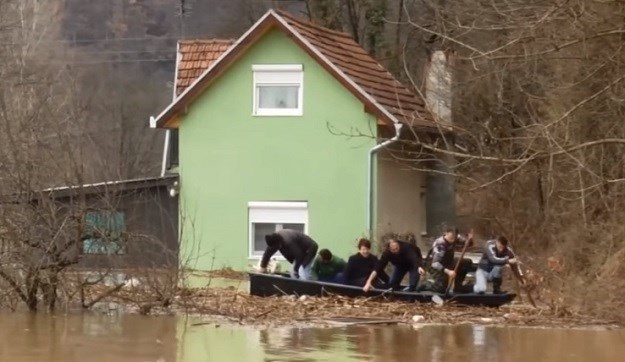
372	151
165	154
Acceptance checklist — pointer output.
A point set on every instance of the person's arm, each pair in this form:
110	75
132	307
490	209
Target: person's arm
416	259
461	240
309	254
378	270
266	256
369	284
297	262
296	265
438	252
512	257
310	251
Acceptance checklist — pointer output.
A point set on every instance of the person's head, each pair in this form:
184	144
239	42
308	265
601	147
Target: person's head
393	246
450	234
325	255
501	243
364	247
274	240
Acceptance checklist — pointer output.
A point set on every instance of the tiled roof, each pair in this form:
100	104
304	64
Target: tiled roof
195	57
365	71
381	93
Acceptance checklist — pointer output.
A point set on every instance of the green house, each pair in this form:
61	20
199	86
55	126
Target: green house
290	126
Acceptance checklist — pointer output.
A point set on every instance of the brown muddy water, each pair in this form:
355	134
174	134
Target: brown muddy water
91	337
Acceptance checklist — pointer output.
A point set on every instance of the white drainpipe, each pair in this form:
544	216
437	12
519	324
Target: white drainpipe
166	145
372	151
165	154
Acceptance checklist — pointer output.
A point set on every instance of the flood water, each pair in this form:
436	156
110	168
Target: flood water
91	337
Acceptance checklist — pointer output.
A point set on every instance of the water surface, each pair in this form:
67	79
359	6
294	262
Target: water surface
92	337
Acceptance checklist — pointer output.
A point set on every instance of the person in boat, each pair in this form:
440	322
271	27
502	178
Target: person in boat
406	259
497	254
328	267
442	263
360	265
296	247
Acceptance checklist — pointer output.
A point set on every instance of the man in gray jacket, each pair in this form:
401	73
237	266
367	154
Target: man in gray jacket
296	247
490	268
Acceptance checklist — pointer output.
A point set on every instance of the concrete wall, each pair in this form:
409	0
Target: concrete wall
400	198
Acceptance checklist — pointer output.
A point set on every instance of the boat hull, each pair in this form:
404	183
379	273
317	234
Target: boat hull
265	285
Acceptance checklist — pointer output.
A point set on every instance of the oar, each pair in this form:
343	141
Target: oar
435	298
518	273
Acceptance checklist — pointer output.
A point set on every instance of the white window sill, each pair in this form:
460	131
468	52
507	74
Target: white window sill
259	257
281	113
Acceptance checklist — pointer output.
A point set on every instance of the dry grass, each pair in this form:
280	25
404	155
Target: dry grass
227	273
247	309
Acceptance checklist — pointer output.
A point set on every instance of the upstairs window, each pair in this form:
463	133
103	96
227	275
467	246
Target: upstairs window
278	89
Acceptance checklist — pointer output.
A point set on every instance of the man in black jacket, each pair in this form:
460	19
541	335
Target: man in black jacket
406	258
296	247
360	265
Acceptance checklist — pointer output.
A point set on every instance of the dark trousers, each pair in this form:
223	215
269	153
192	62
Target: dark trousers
398	275
463	269
360	282
439	280
338	279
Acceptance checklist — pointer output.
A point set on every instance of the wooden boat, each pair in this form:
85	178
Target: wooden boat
265	285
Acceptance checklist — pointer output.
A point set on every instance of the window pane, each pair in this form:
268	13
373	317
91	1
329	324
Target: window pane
259	232
274	96
298	227
104	231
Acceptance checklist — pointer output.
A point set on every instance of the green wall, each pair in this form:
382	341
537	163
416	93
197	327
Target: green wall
228	158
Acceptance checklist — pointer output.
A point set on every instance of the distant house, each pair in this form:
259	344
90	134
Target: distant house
117	224
283	128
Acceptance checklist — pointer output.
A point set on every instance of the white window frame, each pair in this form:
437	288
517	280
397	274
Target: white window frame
283	212
278	75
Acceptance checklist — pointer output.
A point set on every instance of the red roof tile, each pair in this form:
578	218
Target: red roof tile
365	71
381	93
195	57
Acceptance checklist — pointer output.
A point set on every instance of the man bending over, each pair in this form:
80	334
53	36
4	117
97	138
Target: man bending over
296	247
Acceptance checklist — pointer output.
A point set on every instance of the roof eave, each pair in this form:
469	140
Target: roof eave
170	117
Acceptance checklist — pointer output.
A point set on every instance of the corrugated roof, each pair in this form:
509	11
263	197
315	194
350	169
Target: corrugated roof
202	61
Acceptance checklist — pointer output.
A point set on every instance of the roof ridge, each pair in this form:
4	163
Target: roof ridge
206	40
384	95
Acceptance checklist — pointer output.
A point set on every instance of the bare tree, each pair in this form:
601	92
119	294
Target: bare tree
50	136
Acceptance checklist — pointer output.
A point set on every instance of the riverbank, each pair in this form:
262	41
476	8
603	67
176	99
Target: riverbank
225	294
239	307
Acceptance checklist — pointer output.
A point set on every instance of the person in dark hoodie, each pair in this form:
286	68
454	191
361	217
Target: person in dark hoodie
406	258
296	247
360	265
496	255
